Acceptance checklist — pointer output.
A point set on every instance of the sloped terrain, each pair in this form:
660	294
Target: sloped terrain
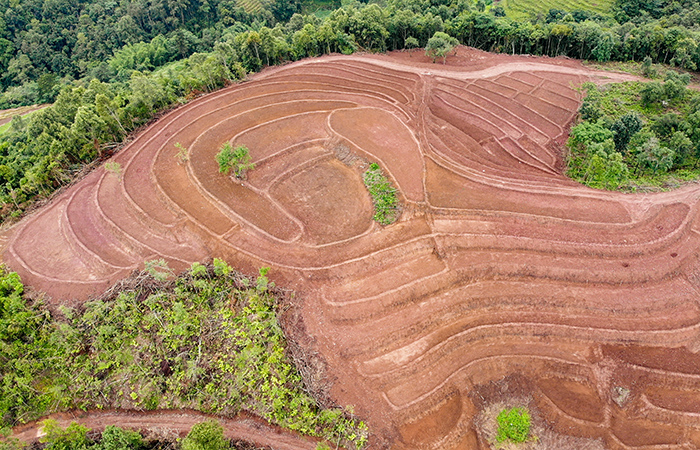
501	278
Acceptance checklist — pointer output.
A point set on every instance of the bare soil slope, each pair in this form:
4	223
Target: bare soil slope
501	279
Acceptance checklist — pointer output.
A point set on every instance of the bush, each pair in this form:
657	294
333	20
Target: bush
652	93
207	435
115	438
513	425
236	159
72	438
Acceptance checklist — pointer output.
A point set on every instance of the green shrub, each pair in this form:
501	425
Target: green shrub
11	443
236	159
513	425
207	435
72	438
115	438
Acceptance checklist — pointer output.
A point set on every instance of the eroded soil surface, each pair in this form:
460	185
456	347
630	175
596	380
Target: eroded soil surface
498	266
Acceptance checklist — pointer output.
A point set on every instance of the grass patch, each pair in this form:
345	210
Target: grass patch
209	340
4	128
386	203
19	111
631	67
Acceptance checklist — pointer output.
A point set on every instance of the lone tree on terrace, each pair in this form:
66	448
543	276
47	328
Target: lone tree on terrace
440	45
236	159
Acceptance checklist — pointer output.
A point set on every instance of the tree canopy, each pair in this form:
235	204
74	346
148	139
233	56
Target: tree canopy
440	45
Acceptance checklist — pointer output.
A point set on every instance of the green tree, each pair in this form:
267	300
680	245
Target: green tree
440	45
604	47
410	43
655	157
590	108
652	93
647	67
587	133
682	146
624	128
675	85
237	159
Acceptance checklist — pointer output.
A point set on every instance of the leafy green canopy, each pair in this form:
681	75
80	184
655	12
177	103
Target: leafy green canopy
210	340
440	45
234	159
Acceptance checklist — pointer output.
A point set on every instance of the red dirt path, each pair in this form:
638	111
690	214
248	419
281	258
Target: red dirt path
499	266
166	424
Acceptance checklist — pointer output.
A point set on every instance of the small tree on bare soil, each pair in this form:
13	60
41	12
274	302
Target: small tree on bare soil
440	45
236	159
410	43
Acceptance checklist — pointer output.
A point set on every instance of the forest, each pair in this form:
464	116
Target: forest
110	67
636	135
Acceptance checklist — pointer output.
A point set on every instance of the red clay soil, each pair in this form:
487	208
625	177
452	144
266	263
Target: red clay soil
498	266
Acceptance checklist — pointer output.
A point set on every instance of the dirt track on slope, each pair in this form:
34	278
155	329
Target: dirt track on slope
170	425
501	279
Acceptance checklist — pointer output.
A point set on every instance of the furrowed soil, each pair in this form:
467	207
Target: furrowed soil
502	283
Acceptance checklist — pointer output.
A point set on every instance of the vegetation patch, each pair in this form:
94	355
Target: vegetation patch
637	135
386	203
513	425
209	340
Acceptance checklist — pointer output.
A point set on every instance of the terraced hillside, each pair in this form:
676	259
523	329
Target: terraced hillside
530	8
501	279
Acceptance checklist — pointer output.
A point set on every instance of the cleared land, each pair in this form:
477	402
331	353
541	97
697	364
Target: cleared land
502	279
6	115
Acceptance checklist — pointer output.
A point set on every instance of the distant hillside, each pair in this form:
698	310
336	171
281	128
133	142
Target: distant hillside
530	8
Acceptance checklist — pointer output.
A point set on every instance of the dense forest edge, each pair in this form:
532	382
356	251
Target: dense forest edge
637	136
209	340
112	67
